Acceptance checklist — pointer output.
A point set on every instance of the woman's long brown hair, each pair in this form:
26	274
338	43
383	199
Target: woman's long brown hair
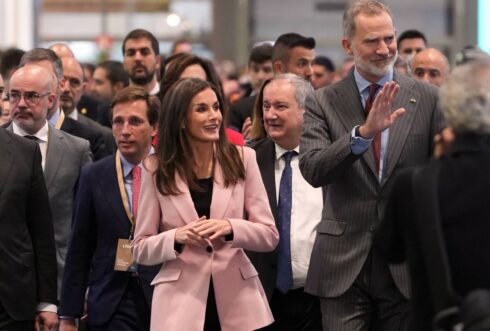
174	152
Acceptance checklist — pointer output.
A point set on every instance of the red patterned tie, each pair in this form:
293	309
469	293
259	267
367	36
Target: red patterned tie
373	88
135	187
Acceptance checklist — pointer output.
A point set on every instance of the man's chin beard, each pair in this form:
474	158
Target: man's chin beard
377	71
142	80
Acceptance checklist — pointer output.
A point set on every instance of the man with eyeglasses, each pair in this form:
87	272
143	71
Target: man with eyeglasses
48	59
30	97
71	93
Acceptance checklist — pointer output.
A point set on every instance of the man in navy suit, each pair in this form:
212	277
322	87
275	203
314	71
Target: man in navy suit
106	200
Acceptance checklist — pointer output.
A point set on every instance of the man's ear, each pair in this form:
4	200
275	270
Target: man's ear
118	87
278	67
346	45
158	62
51	100
154	130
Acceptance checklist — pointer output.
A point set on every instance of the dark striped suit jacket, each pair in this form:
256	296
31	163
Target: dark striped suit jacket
354	197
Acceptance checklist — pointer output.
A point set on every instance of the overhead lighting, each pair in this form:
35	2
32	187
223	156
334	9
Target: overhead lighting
173	20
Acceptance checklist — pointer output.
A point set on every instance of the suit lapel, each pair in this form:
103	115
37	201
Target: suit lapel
5	152
221	194
408	98
266	157
54	155
351	112
183	201
109	186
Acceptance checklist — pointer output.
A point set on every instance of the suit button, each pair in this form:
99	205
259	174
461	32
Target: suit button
209	249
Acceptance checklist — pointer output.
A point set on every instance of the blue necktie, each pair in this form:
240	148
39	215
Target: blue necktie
284	280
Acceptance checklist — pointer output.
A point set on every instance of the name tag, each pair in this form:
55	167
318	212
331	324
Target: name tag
124	258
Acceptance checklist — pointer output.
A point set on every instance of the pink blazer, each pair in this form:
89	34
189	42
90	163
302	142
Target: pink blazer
181	286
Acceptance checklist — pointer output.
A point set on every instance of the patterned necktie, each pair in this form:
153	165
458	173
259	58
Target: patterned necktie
135	189
284	280
373	89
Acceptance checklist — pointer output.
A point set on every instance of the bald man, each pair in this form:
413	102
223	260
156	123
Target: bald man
62	50
430	65
30	96
71	93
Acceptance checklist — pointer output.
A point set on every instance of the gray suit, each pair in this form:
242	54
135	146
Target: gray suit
65	156
354	197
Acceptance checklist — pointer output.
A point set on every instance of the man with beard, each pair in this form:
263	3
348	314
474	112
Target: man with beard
30	97
48	59
294	53
71	93
358	134
142	60
109	78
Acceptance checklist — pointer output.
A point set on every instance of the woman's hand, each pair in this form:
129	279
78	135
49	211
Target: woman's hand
213	228
187	234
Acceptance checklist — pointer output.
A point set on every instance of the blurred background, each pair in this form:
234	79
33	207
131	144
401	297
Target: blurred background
226	29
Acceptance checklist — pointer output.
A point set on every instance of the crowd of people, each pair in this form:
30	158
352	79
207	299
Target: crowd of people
153	194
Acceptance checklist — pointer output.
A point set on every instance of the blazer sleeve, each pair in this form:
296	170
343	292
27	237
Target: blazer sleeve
150	246
322	158
259	232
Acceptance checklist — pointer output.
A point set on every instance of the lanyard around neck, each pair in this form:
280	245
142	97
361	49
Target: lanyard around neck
60	120
122	190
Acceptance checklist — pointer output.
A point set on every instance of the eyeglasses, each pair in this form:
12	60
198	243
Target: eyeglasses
30	97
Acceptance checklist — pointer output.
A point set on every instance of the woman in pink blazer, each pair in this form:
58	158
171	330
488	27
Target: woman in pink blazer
202	202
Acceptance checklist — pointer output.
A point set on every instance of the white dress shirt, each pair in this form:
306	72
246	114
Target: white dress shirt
41	135
306	214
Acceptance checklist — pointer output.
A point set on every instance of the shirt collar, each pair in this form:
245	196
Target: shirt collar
128	166
280	151
155	89
74	114
363	84
54	119
42	134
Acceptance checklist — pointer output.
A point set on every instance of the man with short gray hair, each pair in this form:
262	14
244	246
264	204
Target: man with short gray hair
454	191
358	134
48	59
30	97
295	204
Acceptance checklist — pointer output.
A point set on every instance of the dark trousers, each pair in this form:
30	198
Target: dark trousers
132	313
372	303
295	311
8	324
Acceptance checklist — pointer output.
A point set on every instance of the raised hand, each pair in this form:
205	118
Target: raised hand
381	115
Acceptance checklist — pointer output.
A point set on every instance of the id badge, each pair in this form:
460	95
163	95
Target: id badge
124	258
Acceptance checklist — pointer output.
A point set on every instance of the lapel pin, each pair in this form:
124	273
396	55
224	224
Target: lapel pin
413	100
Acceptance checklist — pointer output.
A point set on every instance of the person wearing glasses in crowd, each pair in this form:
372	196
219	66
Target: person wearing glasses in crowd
30	97
195	193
